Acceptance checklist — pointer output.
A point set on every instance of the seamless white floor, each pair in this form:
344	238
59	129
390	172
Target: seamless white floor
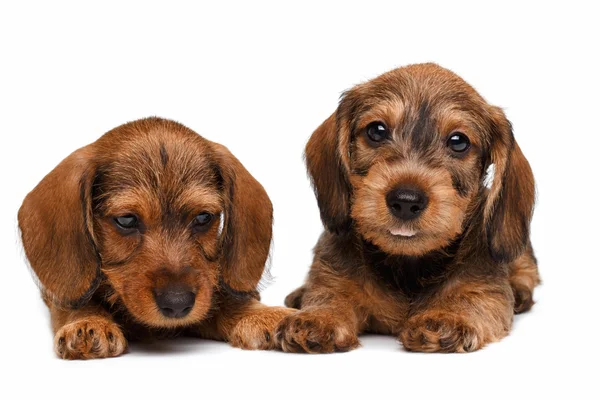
259	77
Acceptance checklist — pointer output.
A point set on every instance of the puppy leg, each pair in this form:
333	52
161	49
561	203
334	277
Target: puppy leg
88	332
319	329
524	277
247	324
327	321
462	317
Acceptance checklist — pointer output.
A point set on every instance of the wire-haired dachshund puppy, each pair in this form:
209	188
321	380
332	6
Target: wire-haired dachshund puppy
415	244
151	230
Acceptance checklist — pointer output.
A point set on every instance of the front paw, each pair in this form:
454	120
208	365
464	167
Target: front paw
441	332
94	337
315	332
256	331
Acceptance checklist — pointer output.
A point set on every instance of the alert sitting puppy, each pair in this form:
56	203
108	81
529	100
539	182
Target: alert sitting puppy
415	244
150	230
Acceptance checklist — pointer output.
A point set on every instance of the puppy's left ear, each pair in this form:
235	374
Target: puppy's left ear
509	204
327	164
248	221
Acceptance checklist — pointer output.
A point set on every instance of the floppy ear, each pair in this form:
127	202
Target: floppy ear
327	163
56	228
509	204
247	227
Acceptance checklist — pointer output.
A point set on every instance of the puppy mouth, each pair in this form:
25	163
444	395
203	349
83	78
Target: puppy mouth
404	232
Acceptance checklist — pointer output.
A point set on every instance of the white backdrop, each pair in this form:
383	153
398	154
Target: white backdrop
259	77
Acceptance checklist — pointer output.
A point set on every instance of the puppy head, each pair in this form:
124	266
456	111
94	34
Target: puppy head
165	216
403	161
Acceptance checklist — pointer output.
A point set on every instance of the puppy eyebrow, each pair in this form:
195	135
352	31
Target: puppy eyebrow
388	110
199	197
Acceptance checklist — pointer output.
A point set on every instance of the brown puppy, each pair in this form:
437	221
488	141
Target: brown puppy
151	230
415	244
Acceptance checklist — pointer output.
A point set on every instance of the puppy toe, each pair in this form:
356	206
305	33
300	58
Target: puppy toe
443	333
309	332
89	338
257	331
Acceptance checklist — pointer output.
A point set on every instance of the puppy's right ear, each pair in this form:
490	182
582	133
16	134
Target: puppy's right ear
326	157
56	228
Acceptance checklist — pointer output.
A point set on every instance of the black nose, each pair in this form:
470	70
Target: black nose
406	203
175	301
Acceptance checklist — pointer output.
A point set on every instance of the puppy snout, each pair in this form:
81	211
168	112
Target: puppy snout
175	301
406	203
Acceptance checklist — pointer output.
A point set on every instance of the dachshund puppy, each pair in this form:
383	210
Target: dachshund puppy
150	231
415	244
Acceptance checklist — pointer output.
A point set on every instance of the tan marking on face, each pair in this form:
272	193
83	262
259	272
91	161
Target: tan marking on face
388	111
451	120
141	201
201	199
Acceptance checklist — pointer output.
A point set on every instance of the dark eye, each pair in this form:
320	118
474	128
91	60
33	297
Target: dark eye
377	132
201	221
127	222
458	142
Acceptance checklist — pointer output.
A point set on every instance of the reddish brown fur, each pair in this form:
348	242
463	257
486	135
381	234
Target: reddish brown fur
455	285
100	283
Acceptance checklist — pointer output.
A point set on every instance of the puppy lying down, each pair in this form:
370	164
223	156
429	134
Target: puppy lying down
151	230
415	245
